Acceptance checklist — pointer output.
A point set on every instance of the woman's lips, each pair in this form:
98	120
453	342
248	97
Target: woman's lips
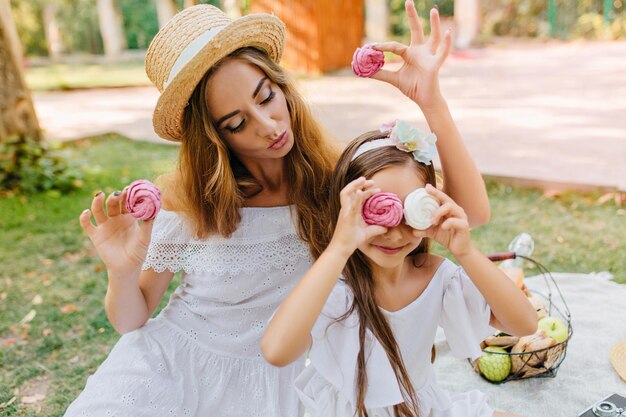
280	142
387	250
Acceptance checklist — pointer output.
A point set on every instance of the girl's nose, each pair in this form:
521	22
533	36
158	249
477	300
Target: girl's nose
267	126
393	233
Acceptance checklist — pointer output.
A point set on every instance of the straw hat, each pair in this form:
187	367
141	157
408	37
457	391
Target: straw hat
618	358
190	44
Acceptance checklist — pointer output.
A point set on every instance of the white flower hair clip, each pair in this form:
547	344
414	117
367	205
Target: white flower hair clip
405	137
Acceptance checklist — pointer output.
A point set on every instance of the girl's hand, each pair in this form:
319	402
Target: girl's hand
351	230
450	226
121	243
418	78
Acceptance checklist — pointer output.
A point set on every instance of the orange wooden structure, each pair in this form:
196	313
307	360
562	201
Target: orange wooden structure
321	34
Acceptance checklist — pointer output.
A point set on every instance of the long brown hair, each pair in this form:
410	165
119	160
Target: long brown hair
358	274
211	184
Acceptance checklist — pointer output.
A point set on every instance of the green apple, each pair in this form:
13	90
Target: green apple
494	366
554	328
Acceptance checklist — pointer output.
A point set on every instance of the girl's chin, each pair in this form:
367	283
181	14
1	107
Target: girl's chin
385	260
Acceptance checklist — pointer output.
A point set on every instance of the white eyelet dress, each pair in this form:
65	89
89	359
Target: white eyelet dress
327	387
200	356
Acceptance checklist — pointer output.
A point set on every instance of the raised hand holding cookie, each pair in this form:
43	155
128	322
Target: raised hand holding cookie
418	78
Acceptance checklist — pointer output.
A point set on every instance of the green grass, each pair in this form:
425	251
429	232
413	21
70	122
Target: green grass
66	76
50	268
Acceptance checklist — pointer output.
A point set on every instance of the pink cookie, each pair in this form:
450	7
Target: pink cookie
143	200
367	61
383	209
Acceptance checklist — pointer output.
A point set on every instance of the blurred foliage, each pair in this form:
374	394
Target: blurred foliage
78	22
28	166
572	19
528	18
515	18
28	19
399	24
140	22
591	26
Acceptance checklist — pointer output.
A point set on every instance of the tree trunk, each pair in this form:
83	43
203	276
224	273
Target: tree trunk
189	3
232	8
467	20
166	9
51	28
376	20
111	28
17	113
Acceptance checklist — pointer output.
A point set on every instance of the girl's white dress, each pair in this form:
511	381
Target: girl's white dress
327	387
201	355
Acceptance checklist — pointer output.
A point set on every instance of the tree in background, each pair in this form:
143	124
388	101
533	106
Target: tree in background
27	164
376	20
17	113
30	26
51	29
467	22
399	23
80	26
111	28
166	9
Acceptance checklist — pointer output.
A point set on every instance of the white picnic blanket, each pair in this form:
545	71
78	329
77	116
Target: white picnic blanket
598	311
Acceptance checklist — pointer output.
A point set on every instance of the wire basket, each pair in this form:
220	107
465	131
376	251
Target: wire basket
526	361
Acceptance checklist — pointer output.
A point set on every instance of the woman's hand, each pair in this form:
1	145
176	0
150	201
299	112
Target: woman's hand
351	230
450	226
121	243
418	78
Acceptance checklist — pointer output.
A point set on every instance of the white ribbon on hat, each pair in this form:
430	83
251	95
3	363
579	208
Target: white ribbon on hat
191	51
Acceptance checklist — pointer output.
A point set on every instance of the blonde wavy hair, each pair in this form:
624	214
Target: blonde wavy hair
210	184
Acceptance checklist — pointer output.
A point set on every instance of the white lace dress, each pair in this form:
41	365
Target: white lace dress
201	355
327	386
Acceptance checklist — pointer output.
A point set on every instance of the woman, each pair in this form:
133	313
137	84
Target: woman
241	217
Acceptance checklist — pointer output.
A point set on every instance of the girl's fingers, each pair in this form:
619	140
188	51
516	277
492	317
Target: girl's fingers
417	32
353	186
123	197
360	197
443	53
447	210
368	192
454	223
435	31
374	230
391	46
85	222
387	76
145	231
439	195
427	233
97	208
443	210
351	196
113	204
348	190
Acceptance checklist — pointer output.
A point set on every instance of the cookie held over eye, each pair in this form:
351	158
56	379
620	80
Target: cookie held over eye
383	209
419	209
367	61
143	200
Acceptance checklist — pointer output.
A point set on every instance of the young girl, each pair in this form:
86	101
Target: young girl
370	333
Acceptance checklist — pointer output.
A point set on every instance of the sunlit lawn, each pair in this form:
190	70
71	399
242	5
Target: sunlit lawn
73	76
53	329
